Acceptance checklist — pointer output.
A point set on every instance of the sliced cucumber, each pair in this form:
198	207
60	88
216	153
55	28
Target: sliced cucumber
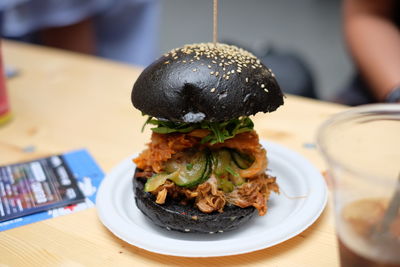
226	171
172	165
158	179
243	161
193	170
222	160
199	171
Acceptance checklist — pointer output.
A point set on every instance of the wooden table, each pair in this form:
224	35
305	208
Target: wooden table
63	101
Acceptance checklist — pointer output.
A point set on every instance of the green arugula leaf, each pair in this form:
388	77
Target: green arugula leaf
146	122
163	130
231	171
219	131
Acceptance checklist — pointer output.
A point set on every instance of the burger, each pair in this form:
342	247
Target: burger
204	169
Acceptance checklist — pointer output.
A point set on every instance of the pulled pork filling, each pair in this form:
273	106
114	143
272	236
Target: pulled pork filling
242	186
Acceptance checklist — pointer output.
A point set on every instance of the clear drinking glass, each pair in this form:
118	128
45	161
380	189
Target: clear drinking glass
362	149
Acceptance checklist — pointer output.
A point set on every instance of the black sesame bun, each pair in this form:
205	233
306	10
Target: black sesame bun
206	82
172	215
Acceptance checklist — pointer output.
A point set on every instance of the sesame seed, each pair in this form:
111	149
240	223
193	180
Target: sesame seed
220	54
262	85
212	90
227	77
266	90
247	80
211	72
273	75
217	73
194	70
166	62
209	66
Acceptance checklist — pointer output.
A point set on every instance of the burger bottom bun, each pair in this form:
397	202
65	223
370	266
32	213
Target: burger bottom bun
186	218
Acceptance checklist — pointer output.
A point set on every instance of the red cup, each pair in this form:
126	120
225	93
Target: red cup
5	114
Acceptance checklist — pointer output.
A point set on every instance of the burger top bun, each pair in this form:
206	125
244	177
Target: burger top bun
206	82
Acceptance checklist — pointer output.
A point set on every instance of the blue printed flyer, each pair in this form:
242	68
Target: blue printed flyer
48	187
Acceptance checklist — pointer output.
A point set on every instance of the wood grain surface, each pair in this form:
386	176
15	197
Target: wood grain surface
63	101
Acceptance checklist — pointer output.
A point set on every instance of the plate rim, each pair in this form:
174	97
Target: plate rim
302	224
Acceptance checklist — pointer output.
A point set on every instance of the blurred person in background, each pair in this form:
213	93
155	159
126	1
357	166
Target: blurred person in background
123	30
372	33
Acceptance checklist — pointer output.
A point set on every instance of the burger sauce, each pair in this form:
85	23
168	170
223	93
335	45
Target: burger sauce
4	104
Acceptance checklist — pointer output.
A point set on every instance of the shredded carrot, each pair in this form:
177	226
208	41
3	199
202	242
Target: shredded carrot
161	148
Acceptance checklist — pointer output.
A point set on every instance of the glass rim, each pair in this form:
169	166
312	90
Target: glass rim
347	115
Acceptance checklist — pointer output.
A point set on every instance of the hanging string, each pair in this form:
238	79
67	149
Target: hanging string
215	22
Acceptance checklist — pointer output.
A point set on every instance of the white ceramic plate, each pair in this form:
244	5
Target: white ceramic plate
286	217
